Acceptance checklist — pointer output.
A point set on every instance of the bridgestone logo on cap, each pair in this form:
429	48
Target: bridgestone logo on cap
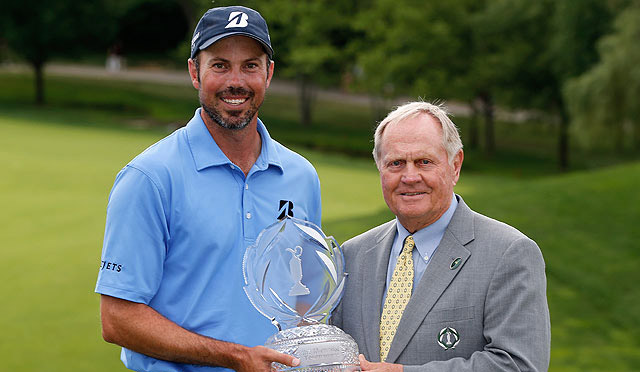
237	19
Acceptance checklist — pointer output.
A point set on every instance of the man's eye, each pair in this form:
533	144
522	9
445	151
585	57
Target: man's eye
424	162
218	65
252	65
396	163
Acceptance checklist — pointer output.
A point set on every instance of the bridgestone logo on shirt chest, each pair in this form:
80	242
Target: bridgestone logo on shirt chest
285	208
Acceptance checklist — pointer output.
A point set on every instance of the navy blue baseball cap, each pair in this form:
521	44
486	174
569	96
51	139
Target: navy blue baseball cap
218	23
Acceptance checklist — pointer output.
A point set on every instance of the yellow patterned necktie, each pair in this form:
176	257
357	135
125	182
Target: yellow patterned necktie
398	295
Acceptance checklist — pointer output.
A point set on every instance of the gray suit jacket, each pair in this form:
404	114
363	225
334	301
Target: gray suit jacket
495	299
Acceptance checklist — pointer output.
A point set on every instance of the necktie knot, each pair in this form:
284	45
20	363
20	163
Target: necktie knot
409	244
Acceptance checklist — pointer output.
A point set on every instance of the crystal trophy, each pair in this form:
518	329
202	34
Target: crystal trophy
294	275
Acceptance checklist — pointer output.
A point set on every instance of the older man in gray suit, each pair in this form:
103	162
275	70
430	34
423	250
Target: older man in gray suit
441	287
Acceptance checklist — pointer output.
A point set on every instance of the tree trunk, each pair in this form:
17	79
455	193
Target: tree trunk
489	134
474	123
306	92
619	136
38	68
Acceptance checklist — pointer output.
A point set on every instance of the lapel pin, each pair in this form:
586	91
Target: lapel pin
448	338
455	263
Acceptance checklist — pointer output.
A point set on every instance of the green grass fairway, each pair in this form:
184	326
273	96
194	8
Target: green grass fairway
57	168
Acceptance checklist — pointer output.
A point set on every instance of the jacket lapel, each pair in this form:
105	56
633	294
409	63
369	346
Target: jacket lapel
435	279
376	260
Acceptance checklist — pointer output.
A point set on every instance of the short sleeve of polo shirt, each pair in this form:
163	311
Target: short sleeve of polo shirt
135	241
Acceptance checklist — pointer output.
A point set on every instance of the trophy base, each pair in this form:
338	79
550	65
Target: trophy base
320	348
324	368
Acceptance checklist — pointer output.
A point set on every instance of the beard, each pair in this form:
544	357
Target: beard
235	119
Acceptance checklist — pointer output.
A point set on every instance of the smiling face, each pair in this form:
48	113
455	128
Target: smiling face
233	76
417	179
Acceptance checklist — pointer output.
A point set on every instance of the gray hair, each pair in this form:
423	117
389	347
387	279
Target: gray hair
450	136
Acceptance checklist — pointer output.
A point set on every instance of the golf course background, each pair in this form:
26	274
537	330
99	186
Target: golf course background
58	163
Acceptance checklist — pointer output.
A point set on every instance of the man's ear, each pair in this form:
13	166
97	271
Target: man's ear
270	71
193	73
457	166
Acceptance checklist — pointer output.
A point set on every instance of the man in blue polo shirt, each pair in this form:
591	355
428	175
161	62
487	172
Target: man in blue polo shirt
182	213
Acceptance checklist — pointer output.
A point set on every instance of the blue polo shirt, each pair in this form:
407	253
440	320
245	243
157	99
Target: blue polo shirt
179	219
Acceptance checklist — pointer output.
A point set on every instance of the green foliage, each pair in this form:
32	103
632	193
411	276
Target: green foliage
43	29
576	26
525	49
309	37
508	53
410	47
508	37
604	101
531	48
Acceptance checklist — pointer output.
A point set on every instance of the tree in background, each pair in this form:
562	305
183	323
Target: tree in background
470	82
310	39
529	49
574	30
472	51
518	54
410	48
42	30
604	102
500	47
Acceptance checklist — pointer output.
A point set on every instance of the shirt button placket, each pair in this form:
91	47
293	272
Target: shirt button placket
247	209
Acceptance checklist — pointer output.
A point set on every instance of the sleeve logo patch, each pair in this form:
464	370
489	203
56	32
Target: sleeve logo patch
111	266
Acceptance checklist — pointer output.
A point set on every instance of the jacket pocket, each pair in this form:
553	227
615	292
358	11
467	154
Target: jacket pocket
449	315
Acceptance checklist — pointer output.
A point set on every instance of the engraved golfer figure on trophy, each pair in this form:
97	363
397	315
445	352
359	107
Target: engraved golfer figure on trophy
274	267
295	266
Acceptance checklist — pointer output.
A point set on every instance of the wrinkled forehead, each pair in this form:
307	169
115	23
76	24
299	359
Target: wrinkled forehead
420	133
411	124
